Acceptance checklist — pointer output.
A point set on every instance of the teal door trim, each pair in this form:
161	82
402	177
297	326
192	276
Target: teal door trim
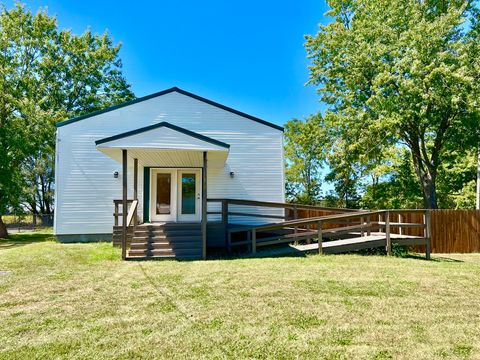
146	194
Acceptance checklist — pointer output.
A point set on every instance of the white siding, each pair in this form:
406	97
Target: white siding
85	186
161	138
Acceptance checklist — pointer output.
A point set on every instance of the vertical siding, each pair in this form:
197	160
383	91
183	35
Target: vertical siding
85	186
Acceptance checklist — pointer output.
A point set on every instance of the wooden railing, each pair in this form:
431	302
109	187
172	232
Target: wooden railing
131	217
361	222
132	214
293	208
117	205
290	211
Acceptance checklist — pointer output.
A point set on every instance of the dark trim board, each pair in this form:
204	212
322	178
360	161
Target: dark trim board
176	167
146	194
84	238
168	91
159	125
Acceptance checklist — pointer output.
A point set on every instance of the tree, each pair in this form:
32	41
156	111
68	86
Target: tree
388	83
305	153
46	75
398	189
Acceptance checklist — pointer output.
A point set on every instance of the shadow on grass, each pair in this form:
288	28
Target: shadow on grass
434	259
270	252
22	239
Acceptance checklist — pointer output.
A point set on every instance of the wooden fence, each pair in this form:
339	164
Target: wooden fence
455	231
452	231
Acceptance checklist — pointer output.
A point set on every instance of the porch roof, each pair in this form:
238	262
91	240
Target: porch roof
164	144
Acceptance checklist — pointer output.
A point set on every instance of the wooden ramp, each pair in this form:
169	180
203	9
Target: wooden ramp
373	240
337	233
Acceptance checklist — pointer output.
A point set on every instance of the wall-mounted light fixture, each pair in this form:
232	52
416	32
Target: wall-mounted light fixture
115	174
232	174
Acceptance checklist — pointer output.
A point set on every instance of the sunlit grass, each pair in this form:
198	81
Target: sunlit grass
81	301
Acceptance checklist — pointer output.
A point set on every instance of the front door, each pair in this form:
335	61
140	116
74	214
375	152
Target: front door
189	195
175	195
164	195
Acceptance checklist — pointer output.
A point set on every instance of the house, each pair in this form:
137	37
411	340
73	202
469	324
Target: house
156	173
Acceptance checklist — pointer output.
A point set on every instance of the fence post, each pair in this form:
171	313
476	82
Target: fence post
387	233
319	235
427	233
254	241
362	222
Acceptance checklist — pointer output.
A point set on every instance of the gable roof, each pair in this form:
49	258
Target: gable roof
164	92
159	125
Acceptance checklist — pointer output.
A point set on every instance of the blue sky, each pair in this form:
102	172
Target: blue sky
245	54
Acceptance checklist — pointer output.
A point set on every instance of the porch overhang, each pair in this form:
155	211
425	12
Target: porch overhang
165	145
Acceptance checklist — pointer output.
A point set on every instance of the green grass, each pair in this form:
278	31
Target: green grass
78	301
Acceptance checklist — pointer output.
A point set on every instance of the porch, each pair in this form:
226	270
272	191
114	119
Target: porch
296	229
172	162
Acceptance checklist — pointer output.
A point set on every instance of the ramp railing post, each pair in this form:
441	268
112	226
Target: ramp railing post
427	233
387	233
369	225
319	235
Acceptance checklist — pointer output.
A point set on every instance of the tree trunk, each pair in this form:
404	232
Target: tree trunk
3	229
427	178
430	193
478	179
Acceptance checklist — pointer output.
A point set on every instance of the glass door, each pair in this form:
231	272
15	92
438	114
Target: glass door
189	195
163	195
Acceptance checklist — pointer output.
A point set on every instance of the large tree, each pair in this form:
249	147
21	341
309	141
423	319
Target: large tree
46	75
401	73
305	153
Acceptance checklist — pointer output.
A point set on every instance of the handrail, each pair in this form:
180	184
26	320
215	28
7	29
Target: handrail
116	213
311	220
132	212
278	205
365	224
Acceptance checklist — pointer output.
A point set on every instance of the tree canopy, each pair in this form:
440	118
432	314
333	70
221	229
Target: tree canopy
46	75
400	74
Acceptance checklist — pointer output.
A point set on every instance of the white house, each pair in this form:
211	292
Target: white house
184	156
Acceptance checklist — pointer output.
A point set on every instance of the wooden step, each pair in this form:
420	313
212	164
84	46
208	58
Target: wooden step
165	245
165	253
168	240
164	257
169	226
171	239
172	232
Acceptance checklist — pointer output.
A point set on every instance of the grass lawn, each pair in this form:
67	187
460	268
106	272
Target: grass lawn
80	301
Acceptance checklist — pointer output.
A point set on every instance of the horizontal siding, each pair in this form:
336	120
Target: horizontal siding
85	186
163	138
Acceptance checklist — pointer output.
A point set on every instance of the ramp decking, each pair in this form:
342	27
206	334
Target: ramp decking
362	242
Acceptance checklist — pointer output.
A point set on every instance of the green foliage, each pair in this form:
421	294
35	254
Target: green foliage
389	85
400	189
305	153
46	75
